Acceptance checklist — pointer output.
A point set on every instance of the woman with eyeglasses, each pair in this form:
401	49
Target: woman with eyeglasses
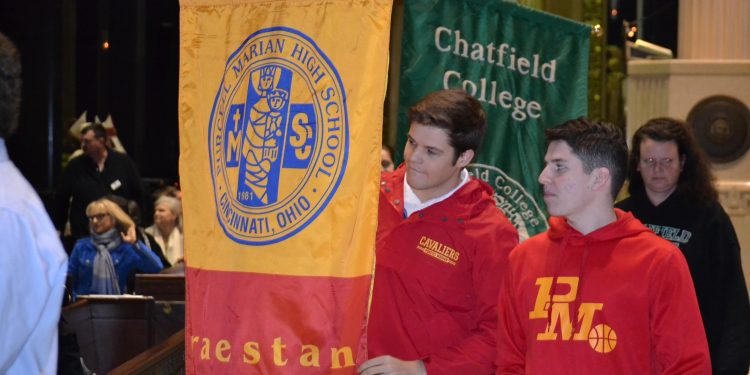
672	192
102	262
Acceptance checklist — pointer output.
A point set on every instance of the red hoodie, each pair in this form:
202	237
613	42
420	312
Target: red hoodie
437	276
622	303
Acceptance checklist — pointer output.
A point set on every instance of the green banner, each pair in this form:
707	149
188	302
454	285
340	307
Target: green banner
528	68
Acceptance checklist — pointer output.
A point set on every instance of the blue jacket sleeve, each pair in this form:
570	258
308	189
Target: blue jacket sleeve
148	262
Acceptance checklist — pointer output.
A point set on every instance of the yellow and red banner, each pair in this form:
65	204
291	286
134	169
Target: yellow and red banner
281	109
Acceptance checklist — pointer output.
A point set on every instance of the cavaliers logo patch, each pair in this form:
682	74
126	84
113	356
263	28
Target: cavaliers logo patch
278	137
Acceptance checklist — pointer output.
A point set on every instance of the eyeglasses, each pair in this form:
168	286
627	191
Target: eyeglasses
97	217
652	163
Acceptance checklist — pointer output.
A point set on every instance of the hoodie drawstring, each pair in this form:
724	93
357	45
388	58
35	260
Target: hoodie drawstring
554	280
579	295
581	273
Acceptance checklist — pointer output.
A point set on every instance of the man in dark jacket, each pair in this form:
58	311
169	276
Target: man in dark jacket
93	175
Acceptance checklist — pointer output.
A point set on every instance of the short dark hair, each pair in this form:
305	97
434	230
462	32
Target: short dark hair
696	178
129	206
98	129
456	112
598	144
168	190
388	149
10	86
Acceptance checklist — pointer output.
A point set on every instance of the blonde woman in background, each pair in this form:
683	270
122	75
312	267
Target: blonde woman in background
167	228
102	262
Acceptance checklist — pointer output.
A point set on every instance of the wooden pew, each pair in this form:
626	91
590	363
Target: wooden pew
161	286
110	329
168	290
166	358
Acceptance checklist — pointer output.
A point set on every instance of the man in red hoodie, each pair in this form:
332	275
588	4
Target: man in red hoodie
441	248
598	293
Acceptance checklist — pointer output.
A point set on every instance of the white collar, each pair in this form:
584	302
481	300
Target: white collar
413	204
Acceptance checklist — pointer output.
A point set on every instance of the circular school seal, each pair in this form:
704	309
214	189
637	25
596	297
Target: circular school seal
517	204
278	137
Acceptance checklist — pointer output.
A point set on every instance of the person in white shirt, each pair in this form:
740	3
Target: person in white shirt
32	260
167	228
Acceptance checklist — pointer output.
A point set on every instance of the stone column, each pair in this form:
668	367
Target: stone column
714	29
